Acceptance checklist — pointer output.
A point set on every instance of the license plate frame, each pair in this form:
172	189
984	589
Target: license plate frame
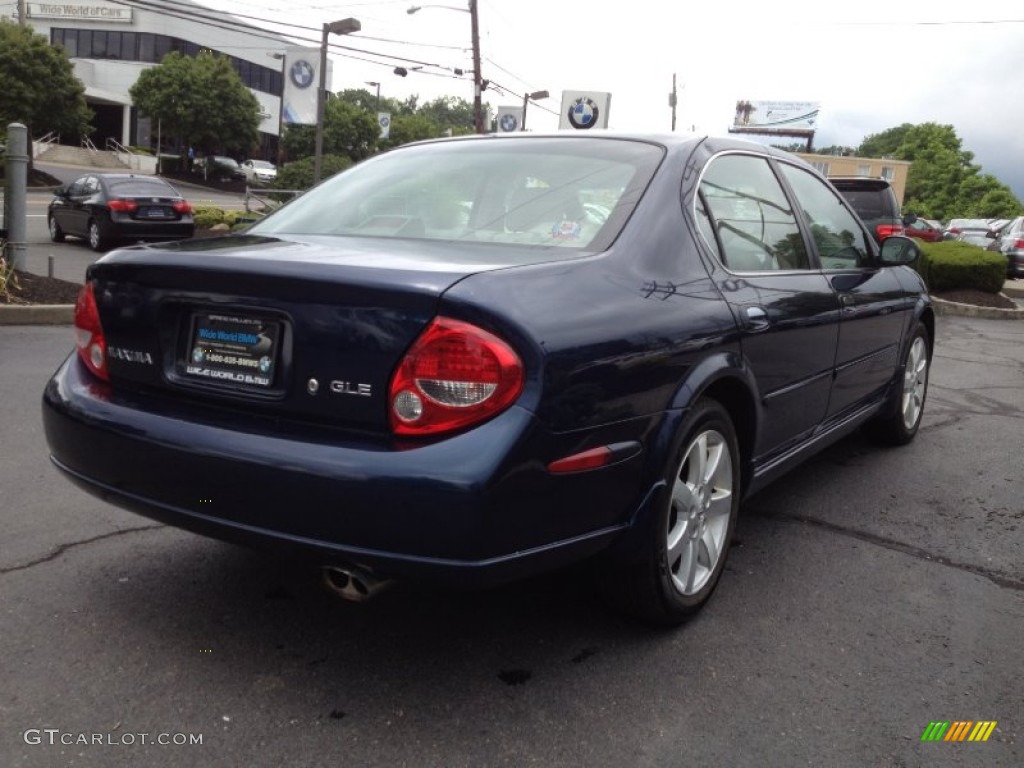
232	349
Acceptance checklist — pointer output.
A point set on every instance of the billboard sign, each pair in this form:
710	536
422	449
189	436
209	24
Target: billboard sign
583	110
786	117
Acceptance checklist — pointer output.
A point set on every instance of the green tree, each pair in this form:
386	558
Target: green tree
38	86
201	102
407	128
449	113
943	181
349	130
298	175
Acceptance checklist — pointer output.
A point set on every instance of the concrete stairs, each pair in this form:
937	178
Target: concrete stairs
67	155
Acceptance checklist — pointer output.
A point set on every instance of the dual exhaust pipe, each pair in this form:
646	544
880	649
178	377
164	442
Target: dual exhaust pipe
354	583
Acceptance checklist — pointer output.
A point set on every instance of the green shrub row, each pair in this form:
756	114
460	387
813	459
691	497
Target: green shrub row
207	216
952	265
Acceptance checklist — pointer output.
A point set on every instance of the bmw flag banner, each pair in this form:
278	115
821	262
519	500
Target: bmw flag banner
509	119
384	121
583	110
301	80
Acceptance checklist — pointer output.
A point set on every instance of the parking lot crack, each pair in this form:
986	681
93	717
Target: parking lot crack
996	577
60	550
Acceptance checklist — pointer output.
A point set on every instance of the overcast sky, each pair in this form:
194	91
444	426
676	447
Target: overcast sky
871	65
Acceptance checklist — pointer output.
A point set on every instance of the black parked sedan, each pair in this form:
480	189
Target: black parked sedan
476	359
110	208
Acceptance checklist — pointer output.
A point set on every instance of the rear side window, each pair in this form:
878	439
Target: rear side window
746	212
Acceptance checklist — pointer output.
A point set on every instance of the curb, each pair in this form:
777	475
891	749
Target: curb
943	307
37	314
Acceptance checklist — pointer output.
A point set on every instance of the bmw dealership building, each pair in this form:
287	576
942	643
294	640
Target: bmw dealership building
110	44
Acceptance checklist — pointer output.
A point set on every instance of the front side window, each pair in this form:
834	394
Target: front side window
840	241
752	223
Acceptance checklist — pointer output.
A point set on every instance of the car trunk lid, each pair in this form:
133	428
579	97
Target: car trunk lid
307	329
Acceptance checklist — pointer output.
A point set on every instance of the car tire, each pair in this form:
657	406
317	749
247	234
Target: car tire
56	233
900	424
95	237
684	550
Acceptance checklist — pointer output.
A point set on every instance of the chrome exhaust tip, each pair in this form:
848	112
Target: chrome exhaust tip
353	583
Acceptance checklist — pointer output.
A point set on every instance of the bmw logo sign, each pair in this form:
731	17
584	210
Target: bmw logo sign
583	113
302	73
197	355
509	123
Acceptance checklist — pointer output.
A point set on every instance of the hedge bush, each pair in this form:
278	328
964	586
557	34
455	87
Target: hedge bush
207	216
952	265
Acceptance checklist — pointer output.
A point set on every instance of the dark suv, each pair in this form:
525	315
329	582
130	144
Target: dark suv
875	202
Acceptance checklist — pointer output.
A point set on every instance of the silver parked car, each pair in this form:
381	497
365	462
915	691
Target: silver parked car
259	171
1009	241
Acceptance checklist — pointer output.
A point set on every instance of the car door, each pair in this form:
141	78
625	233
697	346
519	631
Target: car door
77	211
62	207
873	302
786	310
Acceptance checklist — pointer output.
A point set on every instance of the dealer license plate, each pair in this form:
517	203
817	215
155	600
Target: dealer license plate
233	349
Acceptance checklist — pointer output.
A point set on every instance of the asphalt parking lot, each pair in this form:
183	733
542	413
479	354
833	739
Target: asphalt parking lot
871	593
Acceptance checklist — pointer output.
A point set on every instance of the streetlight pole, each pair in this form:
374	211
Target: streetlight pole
280	108
527	98
343	27
478	80
376	106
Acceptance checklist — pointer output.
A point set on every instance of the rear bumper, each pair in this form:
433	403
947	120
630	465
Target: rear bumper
129	229
1015	264
474	510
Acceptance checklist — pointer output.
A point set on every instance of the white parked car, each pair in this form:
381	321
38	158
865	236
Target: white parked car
259	171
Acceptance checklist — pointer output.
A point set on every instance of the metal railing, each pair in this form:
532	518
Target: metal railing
87	144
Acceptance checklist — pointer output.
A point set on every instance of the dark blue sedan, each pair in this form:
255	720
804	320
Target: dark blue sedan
479	359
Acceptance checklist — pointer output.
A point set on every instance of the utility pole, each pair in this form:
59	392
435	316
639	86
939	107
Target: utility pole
478	111
22	13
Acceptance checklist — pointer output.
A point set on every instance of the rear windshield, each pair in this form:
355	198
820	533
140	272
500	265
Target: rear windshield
140	188
872	203
566	193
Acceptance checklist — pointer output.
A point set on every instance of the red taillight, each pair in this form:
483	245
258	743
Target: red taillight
888	230
455	375
92	347
1018	245
182	207
127	206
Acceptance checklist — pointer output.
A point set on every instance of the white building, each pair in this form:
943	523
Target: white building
110	44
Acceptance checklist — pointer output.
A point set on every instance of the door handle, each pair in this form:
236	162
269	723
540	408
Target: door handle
757	319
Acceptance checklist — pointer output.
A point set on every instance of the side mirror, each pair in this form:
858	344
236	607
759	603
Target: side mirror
899	250
61	191
909	219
